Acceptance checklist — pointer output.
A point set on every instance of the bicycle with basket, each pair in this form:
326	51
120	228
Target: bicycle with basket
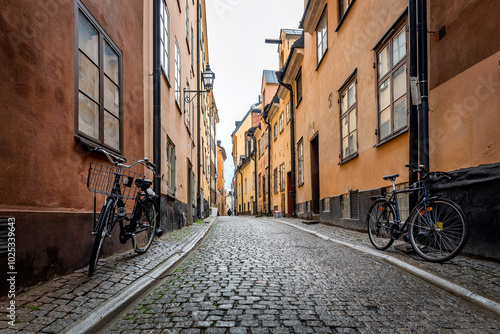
436	228
119	184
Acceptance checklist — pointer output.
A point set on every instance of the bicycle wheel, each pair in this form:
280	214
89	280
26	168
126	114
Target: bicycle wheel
105	217
442	233
379	221
145	226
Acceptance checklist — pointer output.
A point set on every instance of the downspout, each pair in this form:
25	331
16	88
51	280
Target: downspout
198	110
423	131
157	101
413	121
292	143
268	165
255	171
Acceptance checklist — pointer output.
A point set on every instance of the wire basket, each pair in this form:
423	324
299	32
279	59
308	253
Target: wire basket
104	178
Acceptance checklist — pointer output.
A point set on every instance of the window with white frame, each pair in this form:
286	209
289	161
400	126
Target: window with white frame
392	85
187	21
322	36
170	166
300	155
275	131
282	177
165	38
187	108
177	74
288	111
348	120
282	122
275	180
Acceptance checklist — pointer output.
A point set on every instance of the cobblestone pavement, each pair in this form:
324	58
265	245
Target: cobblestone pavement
57	304
479	276
259	276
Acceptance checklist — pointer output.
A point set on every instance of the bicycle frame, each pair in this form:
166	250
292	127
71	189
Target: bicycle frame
423	199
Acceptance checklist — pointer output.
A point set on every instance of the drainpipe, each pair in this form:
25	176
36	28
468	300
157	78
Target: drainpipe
423	131
413	126
292	142
268	163
157	101
254	156
198	110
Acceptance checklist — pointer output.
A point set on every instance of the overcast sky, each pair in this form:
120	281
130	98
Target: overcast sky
238	55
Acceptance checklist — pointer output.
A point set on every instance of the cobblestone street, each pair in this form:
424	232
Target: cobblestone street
258	276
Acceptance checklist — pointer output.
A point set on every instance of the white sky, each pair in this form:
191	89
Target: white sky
238	55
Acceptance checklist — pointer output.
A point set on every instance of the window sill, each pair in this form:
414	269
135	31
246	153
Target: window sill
298	103
166	77
391	137
178	106
321	60
349	158
300	184
89	145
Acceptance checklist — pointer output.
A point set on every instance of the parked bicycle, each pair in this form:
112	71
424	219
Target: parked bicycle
437	227
118	183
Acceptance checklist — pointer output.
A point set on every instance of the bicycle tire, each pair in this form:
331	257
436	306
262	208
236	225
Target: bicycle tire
145	226
379	220
102	224
444	237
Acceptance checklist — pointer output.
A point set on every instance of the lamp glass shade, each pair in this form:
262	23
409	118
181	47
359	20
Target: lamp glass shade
208	78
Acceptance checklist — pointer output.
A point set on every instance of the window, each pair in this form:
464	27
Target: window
268	136
300	154
259	148
259	186
288	111
326	204
187	108
392	81
354	204
246	185
343	7
253	180
177	74
275	180
298	87
99	74
282	122
322	36
164	38
282	177
187	22
275	131
170	167
192	48
348	120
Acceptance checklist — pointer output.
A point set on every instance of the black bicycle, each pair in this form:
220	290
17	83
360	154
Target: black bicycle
118	183
437	227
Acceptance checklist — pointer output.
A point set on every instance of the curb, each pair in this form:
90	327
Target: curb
435	280
116	304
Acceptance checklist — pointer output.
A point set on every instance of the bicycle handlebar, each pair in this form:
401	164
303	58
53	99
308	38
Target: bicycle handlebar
421	169
119	161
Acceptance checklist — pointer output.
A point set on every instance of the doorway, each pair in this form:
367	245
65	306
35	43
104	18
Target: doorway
315	175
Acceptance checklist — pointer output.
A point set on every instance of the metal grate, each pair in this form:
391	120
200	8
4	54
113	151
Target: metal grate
354	204
4	232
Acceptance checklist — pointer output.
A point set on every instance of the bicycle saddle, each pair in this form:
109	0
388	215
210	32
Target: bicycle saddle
390	177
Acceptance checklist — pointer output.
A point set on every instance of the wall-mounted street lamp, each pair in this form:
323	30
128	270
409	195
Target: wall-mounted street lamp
208	78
